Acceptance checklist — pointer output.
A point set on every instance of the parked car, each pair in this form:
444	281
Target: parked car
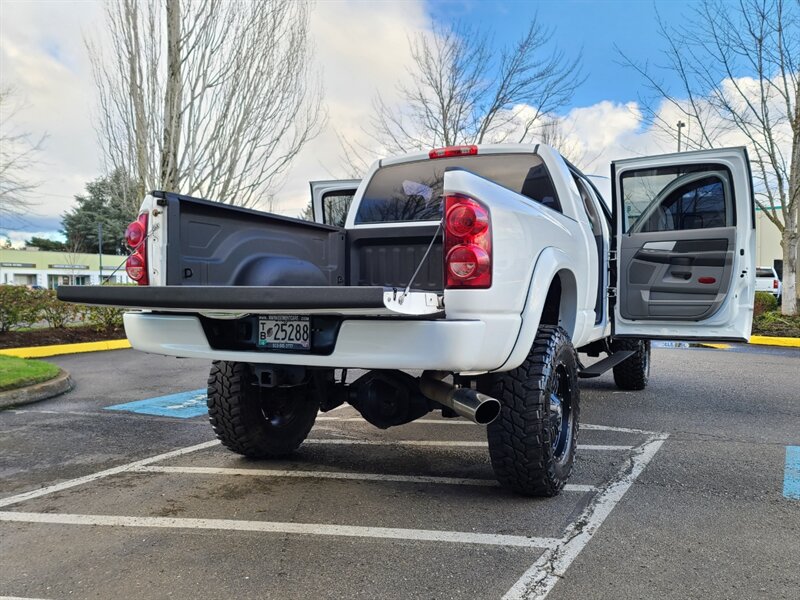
767	280
488	268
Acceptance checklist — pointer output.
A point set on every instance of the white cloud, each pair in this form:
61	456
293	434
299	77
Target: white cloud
42	57
361	49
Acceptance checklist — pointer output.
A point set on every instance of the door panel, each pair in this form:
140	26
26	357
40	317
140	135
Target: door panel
688	280
685	245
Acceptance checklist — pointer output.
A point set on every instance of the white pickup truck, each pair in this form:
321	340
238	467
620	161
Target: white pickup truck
488	268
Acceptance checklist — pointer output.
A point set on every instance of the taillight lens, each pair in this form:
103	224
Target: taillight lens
774	284
451	151
466	220
136	238
135	233
467	243
136	267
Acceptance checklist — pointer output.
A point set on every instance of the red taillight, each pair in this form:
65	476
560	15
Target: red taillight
134	234
467	243
136	238
774	284
466	220
451	151
136	267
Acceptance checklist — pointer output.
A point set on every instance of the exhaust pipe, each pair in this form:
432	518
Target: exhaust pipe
478	408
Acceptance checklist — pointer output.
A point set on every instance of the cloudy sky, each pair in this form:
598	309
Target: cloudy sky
361	47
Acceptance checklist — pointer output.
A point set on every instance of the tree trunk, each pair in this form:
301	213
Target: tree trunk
172	99
789	243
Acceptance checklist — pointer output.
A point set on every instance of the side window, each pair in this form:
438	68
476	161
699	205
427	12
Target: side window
539	187
588	205
677	199
335	206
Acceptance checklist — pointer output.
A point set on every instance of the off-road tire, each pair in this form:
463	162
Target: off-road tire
521	439
240	412
632	373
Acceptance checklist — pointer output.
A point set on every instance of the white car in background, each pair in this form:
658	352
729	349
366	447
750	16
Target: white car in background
767	281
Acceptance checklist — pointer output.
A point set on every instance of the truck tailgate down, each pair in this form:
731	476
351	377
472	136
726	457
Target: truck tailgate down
372	300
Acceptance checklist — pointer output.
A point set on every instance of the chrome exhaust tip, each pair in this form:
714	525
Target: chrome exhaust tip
468	403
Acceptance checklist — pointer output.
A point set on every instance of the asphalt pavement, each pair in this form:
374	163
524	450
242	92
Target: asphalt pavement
678	493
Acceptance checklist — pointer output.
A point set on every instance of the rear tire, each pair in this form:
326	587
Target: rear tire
532	443
634	372
254	421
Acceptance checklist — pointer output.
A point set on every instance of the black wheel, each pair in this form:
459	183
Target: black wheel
255	421
634	372
532	443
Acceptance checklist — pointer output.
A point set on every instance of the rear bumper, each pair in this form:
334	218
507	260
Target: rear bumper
448	345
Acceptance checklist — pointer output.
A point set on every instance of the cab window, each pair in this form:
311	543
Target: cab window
677	199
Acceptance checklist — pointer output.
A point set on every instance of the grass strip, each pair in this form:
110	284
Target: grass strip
18	372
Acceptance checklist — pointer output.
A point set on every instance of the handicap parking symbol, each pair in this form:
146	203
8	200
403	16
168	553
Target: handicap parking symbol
183	405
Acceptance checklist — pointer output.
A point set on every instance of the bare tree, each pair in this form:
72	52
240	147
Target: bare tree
19	151
210	97
462	91
552	132
738	69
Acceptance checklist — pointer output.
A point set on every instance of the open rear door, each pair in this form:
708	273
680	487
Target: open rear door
685	242
330	200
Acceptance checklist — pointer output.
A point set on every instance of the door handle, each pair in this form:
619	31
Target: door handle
681	274
682	261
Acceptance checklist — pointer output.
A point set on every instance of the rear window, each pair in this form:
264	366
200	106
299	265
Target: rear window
765	273
413	191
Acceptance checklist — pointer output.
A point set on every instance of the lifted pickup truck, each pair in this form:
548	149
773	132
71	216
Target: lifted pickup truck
488	268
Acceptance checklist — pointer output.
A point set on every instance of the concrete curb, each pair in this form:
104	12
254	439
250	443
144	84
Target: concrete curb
60	384
766	340
45	351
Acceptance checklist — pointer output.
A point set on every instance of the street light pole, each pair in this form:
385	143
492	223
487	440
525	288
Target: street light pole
100	249
681	125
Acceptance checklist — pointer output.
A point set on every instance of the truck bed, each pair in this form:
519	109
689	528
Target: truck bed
215	244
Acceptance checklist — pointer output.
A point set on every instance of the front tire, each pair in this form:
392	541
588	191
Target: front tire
254	421
532	442
632	373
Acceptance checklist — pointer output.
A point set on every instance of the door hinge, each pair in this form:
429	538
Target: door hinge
612	292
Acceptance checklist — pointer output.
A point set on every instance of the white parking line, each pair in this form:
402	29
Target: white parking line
101	474
445	443
592	427
349	475
552	565
275	527
417	422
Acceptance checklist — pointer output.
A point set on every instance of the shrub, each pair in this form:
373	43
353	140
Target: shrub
19	307
103	318
57	314
764	302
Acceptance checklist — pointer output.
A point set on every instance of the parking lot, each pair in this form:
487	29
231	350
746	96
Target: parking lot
677	493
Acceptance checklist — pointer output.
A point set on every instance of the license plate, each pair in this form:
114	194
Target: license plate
279	332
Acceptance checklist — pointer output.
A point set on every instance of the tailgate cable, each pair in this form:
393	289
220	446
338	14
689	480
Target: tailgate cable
107	278
421	262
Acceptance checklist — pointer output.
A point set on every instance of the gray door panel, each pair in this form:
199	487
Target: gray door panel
689	281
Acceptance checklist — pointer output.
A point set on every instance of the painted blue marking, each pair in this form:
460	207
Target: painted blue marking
183	405
791	474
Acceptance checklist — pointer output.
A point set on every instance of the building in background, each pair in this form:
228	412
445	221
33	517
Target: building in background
32	266
768	242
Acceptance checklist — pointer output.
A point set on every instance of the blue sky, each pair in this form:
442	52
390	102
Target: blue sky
594	26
